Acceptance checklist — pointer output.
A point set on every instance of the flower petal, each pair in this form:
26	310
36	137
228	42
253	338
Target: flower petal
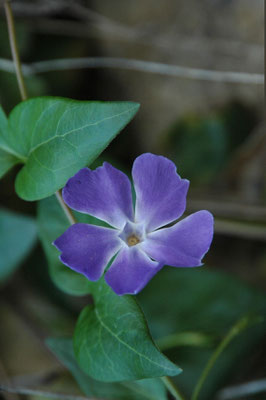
87	249
131	271
104	193
161	193
184	244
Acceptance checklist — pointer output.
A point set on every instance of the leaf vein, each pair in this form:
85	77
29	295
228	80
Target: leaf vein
126	344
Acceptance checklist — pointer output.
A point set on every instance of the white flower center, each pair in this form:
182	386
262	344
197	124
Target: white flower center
132	233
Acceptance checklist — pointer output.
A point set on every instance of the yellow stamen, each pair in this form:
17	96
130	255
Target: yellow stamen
132	240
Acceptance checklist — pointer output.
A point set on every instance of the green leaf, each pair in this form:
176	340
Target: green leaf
18	234
206	301
55	137
52	222
152	389
112	341
7	158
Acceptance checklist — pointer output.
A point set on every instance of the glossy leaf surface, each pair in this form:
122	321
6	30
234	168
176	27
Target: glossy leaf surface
112	340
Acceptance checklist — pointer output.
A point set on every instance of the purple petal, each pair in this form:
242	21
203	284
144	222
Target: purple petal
87	249
104	193
161	193
184	244
131	271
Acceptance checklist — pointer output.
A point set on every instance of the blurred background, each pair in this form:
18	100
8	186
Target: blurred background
196	69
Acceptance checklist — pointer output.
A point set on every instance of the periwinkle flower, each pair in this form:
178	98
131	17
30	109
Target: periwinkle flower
140	243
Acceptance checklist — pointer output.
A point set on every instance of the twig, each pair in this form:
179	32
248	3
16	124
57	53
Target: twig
32	392
163	42
137	65
14	49
172	388
229	209
65	208
245	389
240	229
38	378
196	339
22	87
37	8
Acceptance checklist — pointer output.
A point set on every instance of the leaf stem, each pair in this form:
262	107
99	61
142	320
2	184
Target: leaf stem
14	49
65	208
22	86
172	388
237	328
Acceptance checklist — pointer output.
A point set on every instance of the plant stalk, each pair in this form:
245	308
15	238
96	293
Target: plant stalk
22	87
14	49
172	388
65	208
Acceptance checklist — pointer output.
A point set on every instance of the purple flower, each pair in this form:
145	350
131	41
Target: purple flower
139	241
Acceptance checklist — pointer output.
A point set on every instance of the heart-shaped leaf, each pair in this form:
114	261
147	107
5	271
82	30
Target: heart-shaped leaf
55	137
146	389
112	340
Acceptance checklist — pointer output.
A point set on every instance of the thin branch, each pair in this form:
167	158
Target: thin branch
16	64
181	339
239	327
120	31
172	388
38	378
32	392
14	49
229	209
245	389
240	229
136	65
65	208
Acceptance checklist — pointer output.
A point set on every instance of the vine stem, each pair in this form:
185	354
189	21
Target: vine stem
172	388
22	87
237	328
67	211
14	49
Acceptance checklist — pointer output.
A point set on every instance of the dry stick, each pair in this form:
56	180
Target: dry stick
22	87
14	49
51	395
67	211
172	388
152	67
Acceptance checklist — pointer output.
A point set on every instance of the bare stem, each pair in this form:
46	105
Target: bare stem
50	395
65	208
14	49
172	388
240	325
22	87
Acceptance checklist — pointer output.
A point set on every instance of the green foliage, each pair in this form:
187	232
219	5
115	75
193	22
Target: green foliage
18	234
55	137
152	389
7	158
112	341
202	145
209	302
